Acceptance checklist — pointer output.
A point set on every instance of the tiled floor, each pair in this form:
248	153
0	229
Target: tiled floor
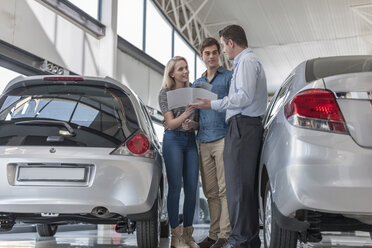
105	237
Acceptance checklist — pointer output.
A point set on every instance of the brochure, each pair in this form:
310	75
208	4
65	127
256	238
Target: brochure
182	97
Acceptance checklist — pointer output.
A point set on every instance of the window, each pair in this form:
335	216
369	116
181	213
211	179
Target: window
90	7
181	48
159	130
6	76
279	98
130	21
158	35
66	116
200	67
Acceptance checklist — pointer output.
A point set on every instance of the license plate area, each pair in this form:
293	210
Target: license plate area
53	174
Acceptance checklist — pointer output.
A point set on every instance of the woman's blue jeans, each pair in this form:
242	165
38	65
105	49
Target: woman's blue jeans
182	164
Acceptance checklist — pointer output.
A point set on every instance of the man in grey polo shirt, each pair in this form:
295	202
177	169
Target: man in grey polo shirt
211	133
244	106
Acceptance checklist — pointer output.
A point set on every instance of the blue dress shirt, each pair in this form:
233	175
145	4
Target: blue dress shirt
248	90
212	125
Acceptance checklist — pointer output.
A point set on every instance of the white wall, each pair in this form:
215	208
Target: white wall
31	26
6	77
143	80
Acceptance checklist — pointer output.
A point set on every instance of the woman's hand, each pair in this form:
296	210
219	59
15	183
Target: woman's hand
189	124
189	110
174	123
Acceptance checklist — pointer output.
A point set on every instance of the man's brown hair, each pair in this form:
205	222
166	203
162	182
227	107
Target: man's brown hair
235	33
210	42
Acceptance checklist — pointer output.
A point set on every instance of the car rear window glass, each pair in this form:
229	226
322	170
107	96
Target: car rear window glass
66	115
325	67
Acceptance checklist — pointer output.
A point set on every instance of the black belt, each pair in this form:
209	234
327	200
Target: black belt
240	116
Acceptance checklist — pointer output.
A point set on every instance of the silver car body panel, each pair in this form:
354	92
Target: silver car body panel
354	91
124	184
324	172
317	170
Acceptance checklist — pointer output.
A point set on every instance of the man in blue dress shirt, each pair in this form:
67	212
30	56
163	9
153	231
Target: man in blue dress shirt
211	133
244	106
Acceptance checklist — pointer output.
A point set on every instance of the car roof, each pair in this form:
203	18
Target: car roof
22	81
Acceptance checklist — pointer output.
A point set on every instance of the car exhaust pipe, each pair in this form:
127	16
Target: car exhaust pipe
101	212
6	222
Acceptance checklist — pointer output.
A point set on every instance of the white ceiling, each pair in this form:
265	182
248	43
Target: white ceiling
284	33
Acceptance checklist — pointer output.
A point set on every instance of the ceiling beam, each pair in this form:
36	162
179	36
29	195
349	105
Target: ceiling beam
194	15
185	19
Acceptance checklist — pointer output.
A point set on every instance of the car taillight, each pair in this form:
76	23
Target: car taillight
315	109
139	144
63	79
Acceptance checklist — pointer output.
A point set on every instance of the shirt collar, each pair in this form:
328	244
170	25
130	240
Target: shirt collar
240	55
221	69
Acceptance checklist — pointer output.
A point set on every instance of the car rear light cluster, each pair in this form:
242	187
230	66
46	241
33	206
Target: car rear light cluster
63	79
315	109
137	145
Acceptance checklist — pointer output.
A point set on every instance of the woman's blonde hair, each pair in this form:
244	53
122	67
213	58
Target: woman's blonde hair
168	81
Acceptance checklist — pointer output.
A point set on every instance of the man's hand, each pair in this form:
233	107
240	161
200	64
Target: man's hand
203	104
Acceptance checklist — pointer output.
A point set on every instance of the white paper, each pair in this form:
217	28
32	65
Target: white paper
182	97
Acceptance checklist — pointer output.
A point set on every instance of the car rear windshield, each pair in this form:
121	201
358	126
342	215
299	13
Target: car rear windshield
66	115
325	67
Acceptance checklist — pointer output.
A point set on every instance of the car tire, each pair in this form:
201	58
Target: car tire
46	230
275	236
203	211
164	229
148	230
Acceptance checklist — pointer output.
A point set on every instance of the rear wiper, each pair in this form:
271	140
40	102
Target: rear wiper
49	122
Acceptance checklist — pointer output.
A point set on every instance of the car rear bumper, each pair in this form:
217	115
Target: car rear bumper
123	185
329	174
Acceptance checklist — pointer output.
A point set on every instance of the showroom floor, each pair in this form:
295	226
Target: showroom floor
105	237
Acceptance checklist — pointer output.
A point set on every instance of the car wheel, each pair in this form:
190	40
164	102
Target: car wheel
46	230
148	230
274	235
203	211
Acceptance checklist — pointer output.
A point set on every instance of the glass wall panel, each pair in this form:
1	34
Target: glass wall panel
200	67
6	76
130	21
181	48
158	35
90	7
159	129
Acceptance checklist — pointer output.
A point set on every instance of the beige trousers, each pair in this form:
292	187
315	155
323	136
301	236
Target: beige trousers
213	179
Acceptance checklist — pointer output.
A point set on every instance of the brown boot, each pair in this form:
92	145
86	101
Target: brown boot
187	234
177	239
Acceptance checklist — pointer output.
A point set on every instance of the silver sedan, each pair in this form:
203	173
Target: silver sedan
316	160
80	149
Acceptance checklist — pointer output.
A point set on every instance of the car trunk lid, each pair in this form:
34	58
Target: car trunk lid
354	97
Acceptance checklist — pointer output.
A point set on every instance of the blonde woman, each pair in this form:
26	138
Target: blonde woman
180	153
